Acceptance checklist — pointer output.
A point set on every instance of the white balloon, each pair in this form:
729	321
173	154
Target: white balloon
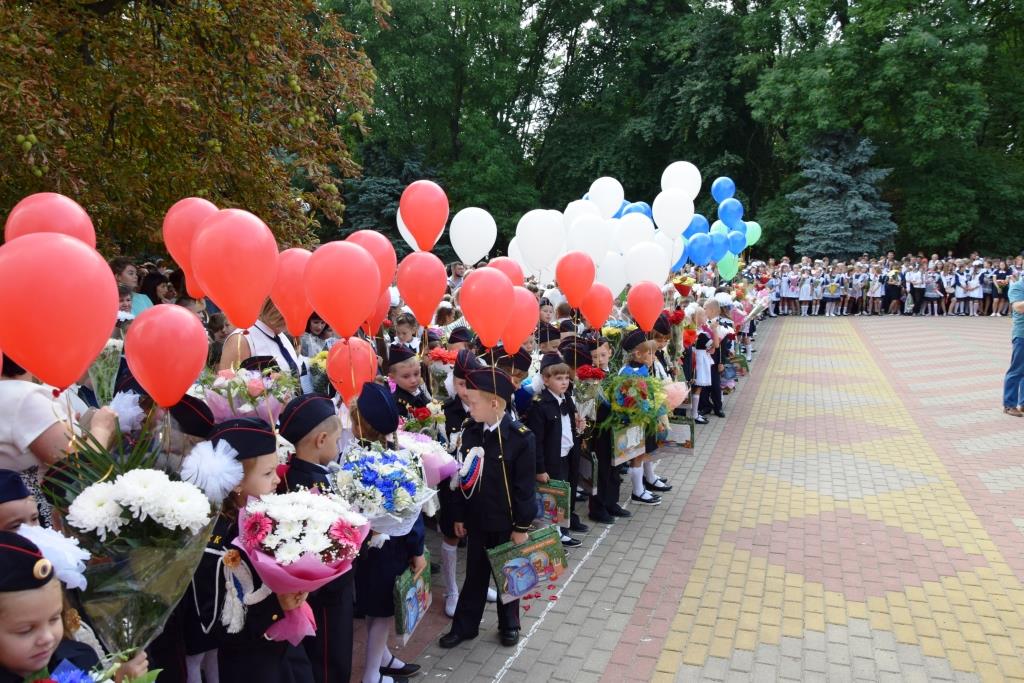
632	229
404	232
647	261
608	194
673	247
541	237
578	209
472	234
682	175
591	235
612	272
673	211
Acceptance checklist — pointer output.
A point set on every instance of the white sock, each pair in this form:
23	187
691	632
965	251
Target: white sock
376	644
649	476
637	475
449	566
694	403
803	309
389	660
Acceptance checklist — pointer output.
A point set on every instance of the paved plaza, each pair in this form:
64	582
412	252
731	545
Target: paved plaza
858	516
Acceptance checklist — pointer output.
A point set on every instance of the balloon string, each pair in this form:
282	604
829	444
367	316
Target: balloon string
352	377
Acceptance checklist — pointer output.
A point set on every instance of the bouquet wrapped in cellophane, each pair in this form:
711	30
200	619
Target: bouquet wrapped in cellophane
385	485
318	373
248	393
145	531
299	542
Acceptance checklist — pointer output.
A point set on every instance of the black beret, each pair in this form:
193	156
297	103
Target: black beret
633	339
433	336
193	416
567	326
491	381
520	360
549	359
577	355
22	565
126	382
547	333
260	364
662	325
399	353
250	436
464	362
377	406
302	414
460	335
12	486
544	301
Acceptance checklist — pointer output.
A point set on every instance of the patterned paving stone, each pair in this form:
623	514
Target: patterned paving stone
1001	481
840	475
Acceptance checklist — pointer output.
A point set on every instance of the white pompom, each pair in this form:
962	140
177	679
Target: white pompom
214	469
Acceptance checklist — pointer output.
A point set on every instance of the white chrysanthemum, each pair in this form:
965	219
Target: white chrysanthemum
97	510
402	500
141	490
67	558
288	552
290	530
315	543
182	506
214	469
129	414
271	541
343	479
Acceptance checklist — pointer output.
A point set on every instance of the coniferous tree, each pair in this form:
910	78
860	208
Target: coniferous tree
840	207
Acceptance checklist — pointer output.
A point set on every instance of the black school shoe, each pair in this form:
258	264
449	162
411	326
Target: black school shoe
509	636
601	518
404	672
658	487
649	499
619	511
578	526
453	638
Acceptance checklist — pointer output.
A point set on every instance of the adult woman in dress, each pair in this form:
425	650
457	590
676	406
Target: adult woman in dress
265	338
35	433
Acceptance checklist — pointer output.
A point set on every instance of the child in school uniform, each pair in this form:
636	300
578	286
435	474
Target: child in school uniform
374	418
640	357
703	347
806	291
548	338
311	424
604	505
499	508
552	419
405	371
17	504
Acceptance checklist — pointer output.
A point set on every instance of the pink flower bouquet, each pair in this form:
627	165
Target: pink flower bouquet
437	463
248	393
298	542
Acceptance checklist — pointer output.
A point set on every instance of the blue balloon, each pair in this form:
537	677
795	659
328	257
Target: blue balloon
697	224
737	242
698	248
622	208
639	207
730	212
586	195
740	227
719	246
723	188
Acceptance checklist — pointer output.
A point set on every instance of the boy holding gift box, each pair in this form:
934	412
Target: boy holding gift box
497	501
311	424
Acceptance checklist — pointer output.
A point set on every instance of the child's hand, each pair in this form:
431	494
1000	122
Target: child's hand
418	564
460	529
520	537
543	478
136	667
290	601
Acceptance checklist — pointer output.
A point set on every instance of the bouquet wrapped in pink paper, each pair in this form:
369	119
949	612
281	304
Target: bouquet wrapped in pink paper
298	542
248	393
437	463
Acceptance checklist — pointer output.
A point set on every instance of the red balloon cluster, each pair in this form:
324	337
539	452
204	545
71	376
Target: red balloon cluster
181	223
486	298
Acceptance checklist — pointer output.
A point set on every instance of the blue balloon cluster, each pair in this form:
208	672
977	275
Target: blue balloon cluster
706	243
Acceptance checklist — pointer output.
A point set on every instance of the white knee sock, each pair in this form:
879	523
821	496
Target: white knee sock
376	644
449	566
694	403
637	475
649	476
803	309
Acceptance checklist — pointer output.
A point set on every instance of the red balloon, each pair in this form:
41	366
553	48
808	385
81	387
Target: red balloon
422	280
424	209
351	363
522	319
289	292
234	259
166	376
55	325
49	212
575	274
510	268
382	252
180	225
380	313
597	305
645	303
343	284
486	299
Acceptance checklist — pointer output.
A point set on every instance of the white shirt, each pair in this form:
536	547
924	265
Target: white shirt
29	409
261	343
567	440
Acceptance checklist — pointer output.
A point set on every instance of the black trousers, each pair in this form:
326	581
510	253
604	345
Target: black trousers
569	470
608	483
330	649
711	397
473	596
918	295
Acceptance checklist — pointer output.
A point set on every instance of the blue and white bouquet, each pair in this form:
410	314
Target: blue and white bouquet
386	486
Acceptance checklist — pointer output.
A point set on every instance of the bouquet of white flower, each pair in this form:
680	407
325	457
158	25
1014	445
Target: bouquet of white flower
299	541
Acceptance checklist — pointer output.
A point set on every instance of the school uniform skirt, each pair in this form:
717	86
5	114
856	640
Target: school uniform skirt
702	370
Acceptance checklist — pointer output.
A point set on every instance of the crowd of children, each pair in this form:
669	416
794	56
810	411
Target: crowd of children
522	413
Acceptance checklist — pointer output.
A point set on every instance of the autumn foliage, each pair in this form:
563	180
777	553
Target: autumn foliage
129	106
